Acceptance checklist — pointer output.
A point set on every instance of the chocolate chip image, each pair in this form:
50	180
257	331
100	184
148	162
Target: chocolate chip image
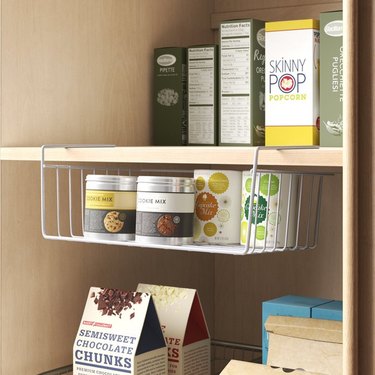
114	301
165	225
112	222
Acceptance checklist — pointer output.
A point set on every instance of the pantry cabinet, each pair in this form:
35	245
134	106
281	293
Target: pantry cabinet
80	72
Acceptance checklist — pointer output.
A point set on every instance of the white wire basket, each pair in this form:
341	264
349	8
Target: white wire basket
292	223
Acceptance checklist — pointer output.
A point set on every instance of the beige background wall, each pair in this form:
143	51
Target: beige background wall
80	72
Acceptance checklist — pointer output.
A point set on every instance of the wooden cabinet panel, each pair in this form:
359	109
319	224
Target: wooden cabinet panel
365	43
243	5
81	71
270	10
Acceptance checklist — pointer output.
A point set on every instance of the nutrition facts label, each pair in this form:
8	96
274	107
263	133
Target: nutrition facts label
235	80
201	97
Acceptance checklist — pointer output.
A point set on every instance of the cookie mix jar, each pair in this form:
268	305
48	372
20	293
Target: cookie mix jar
110	207
165	210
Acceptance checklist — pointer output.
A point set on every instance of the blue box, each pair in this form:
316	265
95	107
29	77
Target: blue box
290	305
330	311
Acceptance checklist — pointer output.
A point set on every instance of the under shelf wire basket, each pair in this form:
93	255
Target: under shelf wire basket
286	220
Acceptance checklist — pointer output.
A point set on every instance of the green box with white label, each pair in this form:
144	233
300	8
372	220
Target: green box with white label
202	94
331	79
169	101
242	83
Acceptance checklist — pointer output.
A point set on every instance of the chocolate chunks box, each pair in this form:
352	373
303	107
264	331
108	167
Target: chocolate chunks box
119	334
184	327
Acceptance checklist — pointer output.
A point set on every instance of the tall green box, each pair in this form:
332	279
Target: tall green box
202	94
169	101
331	79
242	83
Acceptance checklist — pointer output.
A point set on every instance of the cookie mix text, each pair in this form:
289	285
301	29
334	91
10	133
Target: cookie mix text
152	200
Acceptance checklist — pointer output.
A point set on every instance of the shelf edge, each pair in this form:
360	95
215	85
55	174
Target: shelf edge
323	157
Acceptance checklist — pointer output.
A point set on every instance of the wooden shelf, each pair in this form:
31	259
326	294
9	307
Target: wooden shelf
320	157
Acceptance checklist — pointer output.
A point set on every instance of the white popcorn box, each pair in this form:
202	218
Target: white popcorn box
119	334
184	327
292	83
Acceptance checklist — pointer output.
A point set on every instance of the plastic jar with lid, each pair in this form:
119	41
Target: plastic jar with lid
165	210
110	207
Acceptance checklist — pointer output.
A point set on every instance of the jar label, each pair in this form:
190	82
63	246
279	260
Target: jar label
110	221
167	224
107	199
165	202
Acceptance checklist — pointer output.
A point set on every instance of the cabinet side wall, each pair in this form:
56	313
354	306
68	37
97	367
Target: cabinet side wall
1	197
366	173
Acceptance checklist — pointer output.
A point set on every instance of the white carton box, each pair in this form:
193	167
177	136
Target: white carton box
310	344
292	83
119	334
184	327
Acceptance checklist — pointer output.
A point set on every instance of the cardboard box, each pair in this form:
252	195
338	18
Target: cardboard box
292	83
331	79
170	91
289	305
202	95
329	311
184	327
242	83
236	367
119	333
310	344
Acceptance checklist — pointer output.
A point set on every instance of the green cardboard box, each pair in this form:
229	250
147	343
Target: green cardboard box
242	82
169	101
331	79
202	94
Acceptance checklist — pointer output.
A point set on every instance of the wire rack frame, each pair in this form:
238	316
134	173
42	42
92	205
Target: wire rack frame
298	230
